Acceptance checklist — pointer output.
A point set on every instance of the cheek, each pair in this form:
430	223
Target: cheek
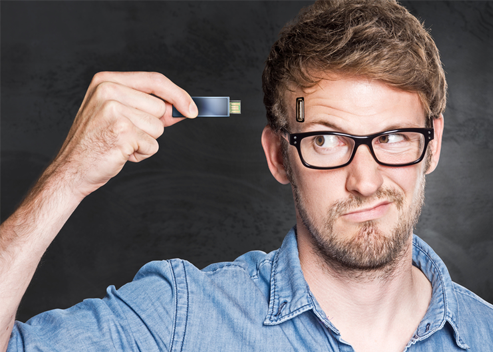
319	189
408	180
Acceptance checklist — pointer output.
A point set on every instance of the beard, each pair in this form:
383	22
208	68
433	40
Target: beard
370	249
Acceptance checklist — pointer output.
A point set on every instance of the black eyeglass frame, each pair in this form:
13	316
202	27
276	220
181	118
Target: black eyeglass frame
294	139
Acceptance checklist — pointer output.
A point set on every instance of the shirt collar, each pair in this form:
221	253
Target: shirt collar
289	292
291	296
443	305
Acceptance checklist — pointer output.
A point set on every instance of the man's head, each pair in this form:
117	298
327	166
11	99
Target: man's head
363	67
378	39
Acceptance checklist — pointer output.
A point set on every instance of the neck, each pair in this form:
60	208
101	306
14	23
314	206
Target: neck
366	302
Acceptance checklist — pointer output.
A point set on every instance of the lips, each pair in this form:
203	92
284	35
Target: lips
370	213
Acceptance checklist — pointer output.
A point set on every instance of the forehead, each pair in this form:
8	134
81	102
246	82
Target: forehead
355	105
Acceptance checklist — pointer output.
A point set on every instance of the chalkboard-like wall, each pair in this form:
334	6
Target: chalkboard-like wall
207	195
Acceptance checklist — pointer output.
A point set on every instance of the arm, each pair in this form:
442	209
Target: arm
118	121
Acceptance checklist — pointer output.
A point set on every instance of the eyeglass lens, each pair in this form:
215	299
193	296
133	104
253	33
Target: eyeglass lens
327	150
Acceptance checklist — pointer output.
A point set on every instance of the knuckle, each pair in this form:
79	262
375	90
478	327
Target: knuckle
158	78
156	128
149	147
106	90
111	107
181	96
98	78
161	110
121	126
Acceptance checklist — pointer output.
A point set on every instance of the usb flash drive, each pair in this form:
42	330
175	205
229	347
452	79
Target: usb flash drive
214	107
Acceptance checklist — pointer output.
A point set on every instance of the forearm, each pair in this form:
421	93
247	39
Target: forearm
118	121
24	237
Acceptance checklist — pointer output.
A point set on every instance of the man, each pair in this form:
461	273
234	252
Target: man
355	149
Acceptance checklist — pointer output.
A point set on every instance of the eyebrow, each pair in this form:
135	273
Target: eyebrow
337	128
326	124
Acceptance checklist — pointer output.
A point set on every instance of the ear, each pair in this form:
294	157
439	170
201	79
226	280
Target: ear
436	144
271	142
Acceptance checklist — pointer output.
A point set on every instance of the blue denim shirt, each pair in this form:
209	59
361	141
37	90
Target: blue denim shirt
259	302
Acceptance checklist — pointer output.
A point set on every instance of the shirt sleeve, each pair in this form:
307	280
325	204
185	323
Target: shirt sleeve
140	316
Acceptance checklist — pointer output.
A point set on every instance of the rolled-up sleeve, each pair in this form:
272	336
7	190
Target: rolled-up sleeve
143	315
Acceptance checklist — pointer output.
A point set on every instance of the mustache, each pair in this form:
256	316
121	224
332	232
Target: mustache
353	202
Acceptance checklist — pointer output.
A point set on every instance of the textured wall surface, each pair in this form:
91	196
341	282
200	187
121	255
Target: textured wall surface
207	195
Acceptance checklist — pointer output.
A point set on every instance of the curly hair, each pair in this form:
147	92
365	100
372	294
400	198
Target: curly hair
377	39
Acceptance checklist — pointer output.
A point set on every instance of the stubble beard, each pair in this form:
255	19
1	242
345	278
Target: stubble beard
370	252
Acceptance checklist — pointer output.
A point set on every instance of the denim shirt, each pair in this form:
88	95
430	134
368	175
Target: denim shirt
259	302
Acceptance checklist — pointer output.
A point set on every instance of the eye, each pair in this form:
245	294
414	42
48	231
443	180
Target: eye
326	141
319	140
391	138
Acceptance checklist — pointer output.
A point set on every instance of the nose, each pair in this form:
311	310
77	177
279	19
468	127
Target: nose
364	177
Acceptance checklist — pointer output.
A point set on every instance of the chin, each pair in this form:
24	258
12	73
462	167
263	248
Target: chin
364	246
369	248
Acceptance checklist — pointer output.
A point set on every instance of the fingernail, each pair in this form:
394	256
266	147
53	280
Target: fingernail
193	109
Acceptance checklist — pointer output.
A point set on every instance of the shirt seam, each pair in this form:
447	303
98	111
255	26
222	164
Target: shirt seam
462	291
262	263
274	284
188	300
182	304
466	346
175	287
234	265
224	266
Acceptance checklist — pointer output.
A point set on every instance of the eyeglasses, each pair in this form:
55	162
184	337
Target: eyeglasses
331	150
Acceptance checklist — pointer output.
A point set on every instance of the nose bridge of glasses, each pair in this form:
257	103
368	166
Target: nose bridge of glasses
363	141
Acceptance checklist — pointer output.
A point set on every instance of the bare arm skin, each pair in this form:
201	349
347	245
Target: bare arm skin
118	121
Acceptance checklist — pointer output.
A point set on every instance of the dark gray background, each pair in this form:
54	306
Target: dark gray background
208	196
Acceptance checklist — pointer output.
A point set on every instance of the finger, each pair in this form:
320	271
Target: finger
131	97
168	119
146	146
152	83
142	120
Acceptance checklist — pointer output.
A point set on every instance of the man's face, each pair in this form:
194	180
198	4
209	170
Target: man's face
359	216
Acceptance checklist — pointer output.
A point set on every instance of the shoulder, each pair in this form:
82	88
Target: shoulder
472	300
474	310
251	267
216	293
251	264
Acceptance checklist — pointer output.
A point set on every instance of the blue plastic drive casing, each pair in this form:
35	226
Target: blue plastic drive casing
209	107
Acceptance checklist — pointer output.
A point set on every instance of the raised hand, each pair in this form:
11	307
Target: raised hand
119	120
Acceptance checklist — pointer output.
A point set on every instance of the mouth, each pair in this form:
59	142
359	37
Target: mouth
369	213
